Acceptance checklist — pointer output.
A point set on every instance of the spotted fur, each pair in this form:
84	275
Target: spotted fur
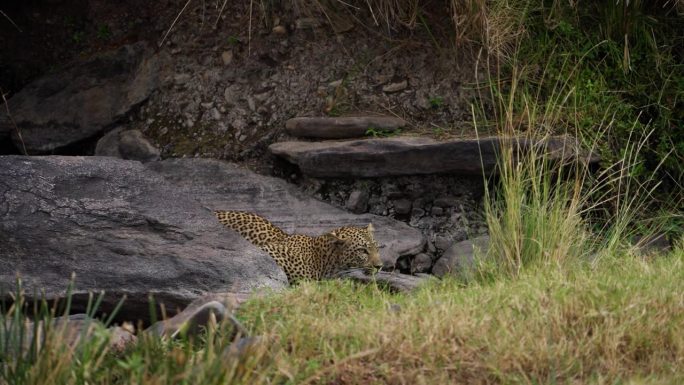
303	256
254	228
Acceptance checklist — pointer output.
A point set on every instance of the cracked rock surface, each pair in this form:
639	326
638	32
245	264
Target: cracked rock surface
133	229
120	228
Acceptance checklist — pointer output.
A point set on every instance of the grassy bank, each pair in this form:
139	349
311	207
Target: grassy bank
618	321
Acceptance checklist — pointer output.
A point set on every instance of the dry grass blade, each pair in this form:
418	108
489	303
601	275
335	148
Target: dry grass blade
14	124
174	23
339	363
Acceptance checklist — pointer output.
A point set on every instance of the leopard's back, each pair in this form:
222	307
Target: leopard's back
252	227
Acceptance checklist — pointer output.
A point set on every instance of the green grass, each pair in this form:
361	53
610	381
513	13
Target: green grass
620	320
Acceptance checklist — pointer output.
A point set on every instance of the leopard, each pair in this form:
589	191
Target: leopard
305	257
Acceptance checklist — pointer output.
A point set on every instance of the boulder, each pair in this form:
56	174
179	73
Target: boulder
120	228
460	257
421	263
342	127
127	144
381	157
82	100
224	186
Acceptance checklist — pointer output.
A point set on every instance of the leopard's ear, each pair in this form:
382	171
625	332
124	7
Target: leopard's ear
370	228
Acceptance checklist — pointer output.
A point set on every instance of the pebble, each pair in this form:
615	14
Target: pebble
279	30
227	57
395	87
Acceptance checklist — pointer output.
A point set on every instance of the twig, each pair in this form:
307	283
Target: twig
220	13
249	30
14	124
10	20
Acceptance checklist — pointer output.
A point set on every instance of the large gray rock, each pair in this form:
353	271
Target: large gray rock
369	158
224	186
82	100
342	127
460	257
121	228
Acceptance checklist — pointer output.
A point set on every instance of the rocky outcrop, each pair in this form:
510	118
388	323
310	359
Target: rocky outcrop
80	102
370	158
121	228
133	229
127	144
343	127
225	186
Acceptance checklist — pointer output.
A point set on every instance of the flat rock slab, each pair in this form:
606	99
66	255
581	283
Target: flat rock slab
370	158
121	228
82	100
224	186
342	127
133	229
394	281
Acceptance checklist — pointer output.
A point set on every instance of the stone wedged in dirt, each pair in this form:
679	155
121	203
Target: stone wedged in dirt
460	257
224	186
73	330
396	282
83	100
121	228
127	144
342	127
370	158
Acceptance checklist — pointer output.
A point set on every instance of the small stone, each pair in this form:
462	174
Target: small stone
431	247
190	321
392	191
395	87
251	104
227	57
443	242
262	97
357	201
215	114
402	206
421	263
181	79
230	94
242	138
279	30
445	202
437	211
131	144
335	84
417	212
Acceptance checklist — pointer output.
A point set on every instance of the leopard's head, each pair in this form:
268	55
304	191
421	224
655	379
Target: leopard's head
359	248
